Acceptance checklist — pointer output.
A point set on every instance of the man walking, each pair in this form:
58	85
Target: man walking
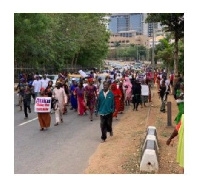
27	100
37	86
44	81
105	107
59	94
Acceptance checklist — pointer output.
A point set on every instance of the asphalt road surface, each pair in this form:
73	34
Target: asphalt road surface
62	149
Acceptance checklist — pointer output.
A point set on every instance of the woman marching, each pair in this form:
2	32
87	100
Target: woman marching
180	102
121	108
80	92
117	97
44	118
48	91
136	94
127	85
90	97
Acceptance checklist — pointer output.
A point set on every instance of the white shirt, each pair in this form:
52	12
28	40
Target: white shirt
167	82
105	93
44	82
37	85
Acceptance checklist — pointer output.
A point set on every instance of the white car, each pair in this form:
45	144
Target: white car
53	78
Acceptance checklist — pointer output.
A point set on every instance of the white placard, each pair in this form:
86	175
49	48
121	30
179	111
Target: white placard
145	90
82	73
42	104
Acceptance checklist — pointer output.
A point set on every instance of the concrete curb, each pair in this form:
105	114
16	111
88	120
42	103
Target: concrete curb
149	160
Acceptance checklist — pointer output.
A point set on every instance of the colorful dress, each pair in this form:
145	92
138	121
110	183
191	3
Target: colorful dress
81	101
121	108
180	108
90	93
73	97
44	118
127	84
180	148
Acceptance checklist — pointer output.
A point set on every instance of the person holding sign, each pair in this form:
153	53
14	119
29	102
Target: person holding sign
59	94
40	105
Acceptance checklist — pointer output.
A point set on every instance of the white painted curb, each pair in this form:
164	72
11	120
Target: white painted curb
149	160
151	137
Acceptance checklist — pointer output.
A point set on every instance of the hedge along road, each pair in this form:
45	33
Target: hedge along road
62	149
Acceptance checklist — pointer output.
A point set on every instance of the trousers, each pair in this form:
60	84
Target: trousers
26	105
106	125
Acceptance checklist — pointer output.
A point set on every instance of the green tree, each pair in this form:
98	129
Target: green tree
174	23
58	40
164	51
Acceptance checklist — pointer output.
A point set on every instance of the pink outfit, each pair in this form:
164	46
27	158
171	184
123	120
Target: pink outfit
127	83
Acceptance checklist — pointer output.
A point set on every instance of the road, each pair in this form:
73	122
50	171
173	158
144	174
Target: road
62	149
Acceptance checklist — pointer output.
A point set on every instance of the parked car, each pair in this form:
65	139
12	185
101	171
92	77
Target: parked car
53	78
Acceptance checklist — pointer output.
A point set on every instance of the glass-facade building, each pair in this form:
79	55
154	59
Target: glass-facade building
132	21
125	22
136	22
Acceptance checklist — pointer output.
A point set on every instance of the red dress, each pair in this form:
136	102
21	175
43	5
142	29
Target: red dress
121	108
117	96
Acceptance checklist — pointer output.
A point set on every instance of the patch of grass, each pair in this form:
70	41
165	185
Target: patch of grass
165	134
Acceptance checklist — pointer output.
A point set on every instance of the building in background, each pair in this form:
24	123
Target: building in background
125	22
121	22
116	39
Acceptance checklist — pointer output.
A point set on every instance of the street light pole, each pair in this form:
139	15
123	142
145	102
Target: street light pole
153	63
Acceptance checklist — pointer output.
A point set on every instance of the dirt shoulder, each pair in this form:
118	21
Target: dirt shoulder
121	153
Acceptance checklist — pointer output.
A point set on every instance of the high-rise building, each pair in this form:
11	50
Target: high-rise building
127	21
132	21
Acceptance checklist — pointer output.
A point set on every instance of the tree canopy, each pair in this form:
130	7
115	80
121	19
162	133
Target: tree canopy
173	23
60	40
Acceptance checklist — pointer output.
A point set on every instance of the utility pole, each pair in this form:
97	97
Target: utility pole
152	62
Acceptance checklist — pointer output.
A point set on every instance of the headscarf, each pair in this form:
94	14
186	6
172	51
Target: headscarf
127	83
115	90
90	80
113	86
42	89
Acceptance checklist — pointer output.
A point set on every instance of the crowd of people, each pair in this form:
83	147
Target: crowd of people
96	95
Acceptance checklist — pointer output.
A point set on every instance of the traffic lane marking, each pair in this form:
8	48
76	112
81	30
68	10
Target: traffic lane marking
28	121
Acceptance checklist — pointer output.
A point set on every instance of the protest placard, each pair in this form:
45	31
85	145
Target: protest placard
145	90
42	105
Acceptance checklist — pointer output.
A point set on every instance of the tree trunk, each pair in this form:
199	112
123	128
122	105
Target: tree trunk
175	61
176	57
72	63
76	59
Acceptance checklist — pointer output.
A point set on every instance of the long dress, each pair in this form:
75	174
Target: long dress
91	92
117	96
136	91
80	98
127	84
60	95
121	108
180	148
180	109
44	118
73	97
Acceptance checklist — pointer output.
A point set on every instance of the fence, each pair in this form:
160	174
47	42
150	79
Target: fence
23	68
